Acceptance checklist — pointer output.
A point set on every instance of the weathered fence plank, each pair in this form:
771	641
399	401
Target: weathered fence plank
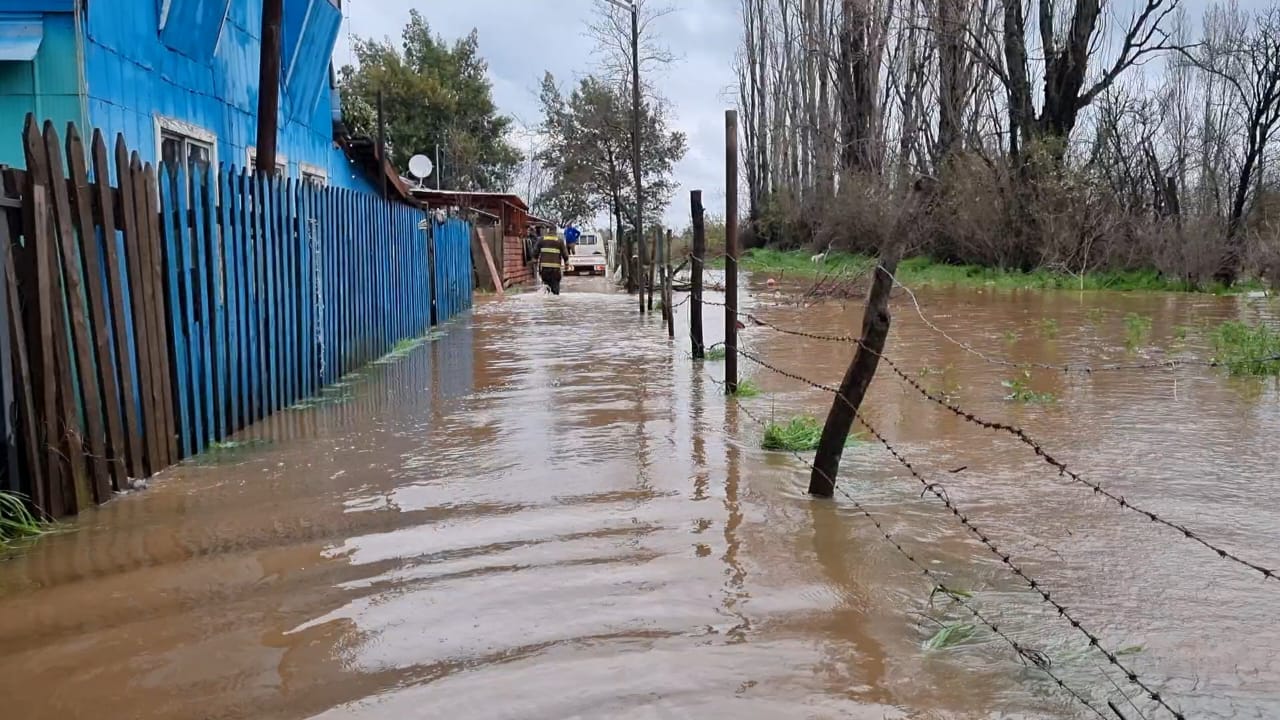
117	288
140	337
99	355
81	347
204	317
158	310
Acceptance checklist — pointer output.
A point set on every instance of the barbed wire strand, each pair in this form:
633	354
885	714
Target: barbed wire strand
1024	437
1037	658
1004	557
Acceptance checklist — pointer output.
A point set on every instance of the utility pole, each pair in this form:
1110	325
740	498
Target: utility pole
269	86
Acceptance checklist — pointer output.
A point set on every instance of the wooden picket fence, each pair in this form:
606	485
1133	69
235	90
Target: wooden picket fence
152	317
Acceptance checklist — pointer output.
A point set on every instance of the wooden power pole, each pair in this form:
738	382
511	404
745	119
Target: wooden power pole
269	85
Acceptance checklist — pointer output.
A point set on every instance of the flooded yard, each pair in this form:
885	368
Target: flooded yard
551	512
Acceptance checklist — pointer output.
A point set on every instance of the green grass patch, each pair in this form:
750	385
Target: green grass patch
746	389
1020	390
1245	349
716	352
17	522
926	271
1137	329
1049	328
799	434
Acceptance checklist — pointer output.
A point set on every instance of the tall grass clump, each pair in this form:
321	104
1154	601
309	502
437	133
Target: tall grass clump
16	520
746	389
1137	328
799	434
1245	349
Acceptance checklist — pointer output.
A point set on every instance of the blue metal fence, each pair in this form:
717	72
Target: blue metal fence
453	276
277	288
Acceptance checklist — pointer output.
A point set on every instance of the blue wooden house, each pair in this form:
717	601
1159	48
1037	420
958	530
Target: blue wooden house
178	78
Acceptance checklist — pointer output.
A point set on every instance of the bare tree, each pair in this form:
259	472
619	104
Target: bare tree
1244	52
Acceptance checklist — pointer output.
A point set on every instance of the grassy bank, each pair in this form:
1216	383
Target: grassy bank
924	271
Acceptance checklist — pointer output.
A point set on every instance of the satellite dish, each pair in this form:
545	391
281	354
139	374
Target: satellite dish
420	167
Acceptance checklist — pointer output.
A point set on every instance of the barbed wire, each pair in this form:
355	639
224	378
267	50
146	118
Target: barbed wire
1037	658
1026	439
1005	558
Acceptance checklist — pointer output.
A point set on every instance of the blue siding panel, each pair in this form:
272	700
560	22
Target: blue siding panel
201	69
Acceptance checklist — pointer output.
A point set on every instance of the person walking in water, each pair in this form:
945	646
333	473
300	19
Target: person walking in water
553	256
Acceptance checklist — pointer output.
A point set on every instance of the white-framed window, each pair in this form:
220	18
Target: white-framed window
179	142
282	163
313	174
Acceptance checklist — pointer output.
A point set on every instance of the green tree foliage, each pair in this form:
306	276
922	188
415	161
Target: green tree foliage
588	153
432	93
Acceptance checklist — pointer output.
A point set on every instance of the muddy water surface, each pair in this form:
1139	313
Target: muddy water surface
549	512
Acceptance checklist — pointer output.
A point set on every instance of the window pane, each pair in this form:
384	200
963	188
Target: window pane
170	149
199	155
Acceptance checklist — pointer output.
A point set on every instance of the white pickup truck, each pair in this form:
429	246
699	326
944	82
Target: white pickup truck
587	256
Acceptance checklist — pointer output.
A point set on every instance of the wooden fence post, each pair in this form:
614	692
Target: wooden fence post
731	252
695	290
667	310
853	388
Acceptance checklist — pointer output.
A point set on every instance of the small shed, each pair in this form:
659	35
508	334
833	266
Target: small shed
511	220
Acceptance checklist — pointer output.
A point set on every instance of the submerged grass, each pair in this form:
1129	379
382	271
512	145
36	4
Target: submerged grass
715	353
1020	390
801	433
1137	329
747	389
926	271
1245	349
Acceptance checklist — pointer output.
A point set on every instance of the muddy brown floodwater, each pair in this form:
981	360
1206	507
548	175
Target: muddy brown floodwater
549	512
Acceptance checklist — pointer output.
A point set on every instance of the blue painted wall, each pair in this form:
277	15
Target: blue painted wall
201	68
190	61
49	85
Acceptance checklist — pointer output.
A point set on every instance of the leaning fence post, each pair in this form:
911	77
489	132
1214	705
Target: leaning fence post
844	408
731	252
695	290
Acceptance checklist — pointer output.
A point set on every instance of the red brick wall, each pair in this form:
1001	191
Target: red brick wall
514	269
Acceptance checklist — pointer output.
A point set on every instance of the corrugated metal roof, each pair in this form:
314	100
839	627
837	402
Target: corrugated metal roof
20	37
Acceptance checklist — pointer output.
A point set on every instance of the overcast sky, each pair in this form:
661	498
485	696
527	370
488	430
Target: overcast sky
522	39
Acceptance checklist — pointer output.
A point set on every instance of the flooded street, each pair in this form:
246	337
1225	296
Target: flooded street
550	511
